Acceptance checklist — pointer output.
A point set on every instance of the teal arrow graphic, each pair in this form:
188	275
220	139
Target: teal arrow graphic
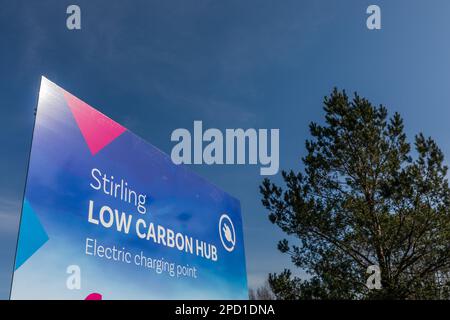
32	235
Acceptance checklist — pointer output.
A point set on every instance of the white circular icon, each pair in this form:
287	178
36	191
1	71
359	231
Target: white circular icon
227	233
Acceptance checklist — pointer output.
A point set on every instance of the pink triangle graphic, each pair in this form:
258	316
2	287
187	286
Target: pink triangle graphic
97	129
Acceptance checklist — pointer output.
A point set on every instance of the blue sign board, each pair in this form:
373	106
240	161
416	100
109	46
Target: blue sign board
106	215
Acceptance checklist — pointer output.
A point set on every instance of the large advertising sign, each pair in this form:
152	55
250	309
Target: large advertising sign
106	215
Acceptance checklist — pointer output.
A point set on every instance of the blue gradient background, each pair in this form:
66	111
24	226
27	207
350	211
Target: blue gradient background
58	190
155	66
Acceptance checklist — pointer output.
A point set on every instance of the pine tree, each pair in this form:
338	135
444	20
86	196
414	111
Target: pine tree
363	198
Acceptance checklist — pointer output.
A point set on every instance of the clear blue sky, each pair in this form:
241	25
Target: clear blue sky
155	66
